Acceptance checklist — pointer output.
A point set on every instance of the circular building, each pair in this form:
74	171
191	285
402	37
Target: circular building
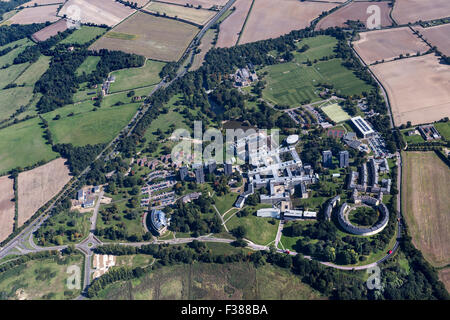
364	231
292	139
157	221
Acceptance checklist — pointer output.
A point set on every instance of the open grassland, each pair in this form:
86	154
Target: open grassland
205	45
226	202
417	88
88	65
19	46
12	99
156	37
37	186
231	27
91	127
50	31
200	281
355	11
437	36
35	15
426	203
10	74
34	72
44	279
271	19
83	35
406	11
137	77
259	230
25	146
7	207
388	44
99	12
336	113
194	15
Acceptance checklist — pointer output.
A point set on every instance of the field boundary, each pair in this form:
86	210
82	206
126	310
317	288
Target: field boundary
245	23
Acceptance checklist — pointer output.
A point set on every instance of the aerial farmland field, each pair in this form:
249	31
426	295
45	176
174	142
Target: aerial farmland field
271	19
425	208
50	31
406	11
437	36
205	4
232	26
7	207
84	34
355	11
417	88
388	44
197	16
153	37
39	185
35	15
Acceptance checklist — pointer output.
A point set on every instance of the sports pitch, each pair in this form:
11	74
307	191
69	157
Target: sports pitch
336	113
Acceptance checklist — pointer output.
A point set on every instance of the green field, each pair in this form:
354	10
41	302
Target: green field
9	75
137	77
444	129
88	65
237	281
91	127
84	35
259	230
225	202
10	56
40	279
12	99
25	146
34	72
294	82
336	113
120	35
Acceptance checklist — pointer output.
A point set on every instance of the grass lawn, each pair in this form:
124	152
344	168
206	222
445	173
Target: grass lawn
25	146
137	77
225	202
84	34
92	127
319	47
336	113
259	230
417	138
444	129
88	65
40	279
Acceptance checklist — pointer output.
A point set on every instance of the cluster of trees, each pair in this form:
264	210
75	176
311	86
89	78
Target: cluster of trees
16	32
30	54
78	157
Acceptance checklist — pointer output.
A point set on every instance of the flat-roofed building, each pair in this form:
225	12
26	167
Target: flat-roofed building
343	159
363	127
158	221
327	158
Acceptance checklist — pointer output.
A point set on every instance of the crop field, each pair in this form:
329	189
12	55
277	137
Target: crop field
40	279
437	36
35	15
355	11
388	44
293	84
194	15
426	199
271	19
417	88
205	45
32	3
336	113
7	207
206	4
84	34
199	281
50	31
414	10
155	37
137	77
99	12
231	27
259	230
39	185
25	144
92	127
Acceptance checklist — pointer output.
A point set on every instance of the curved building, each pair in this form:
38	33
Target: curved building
158	221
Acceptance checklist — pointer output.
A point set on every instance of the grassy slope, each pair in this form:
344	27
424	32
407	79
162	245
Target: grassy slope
83	35
259	230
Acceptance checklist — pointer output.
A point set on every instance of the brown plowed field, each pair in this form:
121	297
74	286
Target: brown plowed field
206	4
232	26
426	203
50	31
355	11
35	15
414	10
438	36
271	19
38	186
32	3
388	44
418	88
7	208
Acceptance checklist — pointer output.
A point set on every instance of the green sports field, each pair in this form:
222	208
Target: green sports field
294	82
84	35
25	145
137	77
335	113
